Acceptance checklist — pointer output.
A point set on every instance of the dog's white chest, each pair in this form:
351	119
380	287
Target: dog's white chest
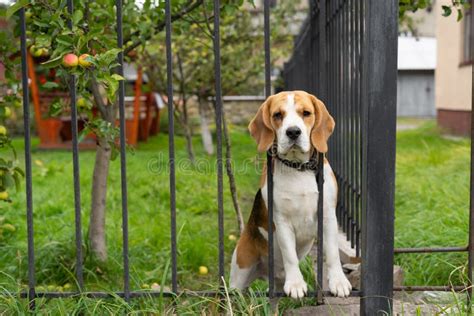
295	195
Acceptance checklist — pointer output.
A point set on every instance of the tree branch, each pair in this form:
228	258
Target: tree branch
99	102
159	27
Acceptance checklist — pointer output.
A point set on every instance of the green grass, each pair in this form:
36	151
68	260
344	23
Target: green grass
432	204
149	220
432	189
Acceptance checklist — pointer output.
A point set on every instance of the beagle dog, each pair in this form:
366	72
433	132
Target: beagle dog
298	124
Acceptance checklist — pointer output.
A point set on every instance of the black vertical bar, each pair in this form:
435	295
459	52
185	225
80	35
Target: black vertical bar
312	52
220	199
471	206
75	162
343	118
123	158
271	271
320	180
169	71
361	39
266	18
357	34
380	94
29	186
340	110
352	118
350	193
331	81
347	154
337	99
322	51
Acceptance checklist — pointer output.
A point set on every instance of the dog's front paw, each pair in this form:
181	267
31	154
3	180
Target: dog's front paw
339	285
296	287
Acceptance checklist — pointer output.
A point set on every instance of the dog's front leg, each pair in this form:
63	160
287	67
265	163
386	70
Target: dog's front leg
338	283
295	286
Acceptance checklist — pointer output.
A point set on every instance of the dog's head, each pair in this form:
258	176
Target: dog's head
296	120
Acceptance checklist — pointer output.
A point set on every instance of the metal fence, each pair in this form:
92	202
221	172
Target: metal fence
126	293
346	54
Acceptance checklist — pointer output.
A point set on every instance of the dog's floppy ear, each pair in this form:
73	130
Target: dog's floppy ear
323	126
260	127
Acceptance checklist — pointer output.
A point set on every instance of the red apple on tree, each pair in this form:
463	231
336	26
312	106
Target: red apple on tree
85	60
42	79
70	60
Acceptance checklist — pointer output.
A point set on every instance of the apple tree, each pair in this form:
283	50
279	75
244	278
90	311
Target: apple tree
242	71
89	51
10	99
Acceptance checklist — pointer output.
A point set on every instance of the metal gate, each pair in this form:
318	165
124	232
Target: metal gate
346	54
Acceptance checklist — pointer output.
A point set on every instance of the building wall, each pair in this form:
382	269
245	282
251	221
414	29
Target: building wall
425	21
415	93
452	77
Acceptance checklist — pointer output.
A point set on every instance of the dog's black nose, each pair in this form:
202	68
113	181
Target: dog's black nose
293	132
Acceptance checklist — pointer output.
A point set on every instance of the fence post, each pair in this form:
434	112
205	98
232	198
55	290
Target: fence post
378	178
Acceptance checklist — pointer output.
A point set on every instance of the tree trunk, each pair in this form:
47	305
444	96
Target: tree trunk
205	131
189	143
98	203
230	175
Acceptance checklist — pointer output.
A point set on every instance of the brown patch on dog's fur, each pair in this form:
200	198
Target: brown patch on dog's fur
252	245
265	123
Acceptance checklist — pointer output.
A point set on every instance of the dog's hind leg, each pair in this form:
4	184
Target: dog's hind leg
241	276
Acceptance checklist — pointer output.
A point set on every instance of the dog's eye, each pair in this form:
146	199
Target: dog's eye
306	113
277	116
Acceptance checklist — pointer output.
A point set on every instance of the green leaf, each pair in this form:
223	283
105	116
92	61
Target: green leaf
83	134
114	153
17	180
43	40
117	77
56	108
50	85
8	180
422	4
15	7
108	57
460	15
446	10
19	171
53	62
77	17
65	39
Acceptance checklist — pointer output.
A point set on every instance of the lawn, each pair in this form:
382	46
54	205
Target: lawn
432	204
432	190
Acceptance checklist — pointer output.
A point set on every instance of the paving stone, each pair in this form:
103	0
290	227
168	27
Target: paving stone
354	275
350	307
